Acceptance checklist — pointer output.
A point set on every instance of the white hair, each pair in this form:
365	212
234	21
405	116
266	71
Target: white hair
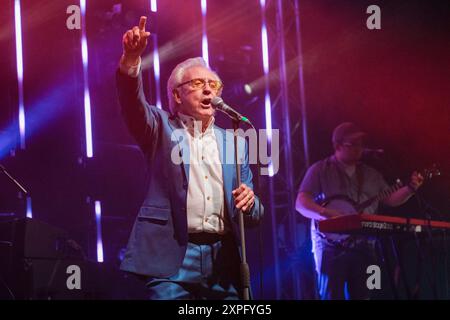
177	76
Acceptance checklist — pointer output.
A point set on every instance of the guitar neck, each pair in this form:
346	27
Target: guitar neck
384	194
426	174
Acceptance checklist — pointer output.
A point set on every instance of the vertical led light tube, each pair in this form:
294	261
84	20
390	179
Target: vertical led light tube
29	208
156	63
87	97
156	70
153	6
98	223
19	63
205	53
265	58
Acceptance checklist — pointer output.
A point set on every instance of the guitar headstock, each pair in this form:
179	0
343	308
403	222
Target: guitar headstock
431	172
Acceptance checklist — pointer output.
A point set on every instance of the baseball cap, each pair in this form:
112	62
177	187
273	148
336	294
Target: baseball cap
346	131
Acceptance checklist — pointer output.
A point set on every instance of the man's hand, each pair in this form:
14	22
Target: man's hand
134	42
416	181
244	198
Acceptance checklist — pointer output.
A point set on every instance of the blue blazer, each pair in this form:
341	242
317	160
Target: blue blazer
158	240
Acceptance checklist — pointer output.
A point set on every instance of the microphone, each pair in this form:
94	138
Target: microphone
367	151
220	105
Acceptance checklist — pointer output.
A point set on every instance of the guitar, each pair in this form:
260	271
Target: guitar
348	206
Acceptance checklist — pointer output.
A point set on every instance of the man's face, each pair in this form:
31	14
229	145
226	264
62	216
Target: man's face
196	101
350	151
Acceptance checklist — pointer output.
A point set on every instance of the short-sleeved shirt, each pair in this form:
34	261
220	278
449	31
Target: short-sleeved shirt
328	177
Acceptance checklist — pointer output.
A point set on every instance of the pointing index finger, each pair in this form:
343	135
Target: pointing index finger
142	22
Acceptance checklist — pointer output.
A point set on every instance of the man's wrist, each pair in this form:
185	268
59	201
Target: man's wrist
130	61
249	209
130	67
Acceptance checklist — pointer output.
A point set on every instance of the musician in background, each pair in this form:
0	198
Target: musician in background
342	260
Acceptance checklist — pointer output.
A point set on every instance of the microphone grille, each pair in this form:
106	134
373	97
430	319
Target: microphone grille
216	101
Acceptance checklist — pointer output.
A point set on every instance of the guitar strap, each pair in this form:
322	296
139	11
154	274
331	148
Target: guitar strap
359	180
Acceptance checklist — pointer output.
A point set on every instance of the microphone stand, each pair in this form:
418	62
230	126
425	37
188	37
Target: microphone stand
244	268
3	169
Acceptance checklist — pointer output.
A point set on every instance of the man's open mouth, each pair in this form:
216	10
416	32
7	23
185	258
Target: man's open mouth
206	103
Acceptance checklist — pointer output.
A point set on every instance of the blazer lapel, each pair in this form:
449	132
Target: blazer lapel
179	134
227	160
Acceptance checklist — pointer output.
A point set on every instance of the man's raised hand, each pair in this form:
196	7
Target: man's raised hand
134	42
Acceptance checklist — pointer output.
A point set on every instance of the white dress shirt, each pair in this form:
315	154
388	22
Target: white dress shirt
205	196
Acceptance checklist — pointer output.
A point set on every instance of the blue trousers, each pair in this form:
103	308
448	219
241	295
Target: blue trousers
208	271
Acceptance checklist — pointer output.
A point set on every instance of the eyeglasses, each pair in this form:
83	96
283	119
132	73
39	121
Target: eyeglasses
198	83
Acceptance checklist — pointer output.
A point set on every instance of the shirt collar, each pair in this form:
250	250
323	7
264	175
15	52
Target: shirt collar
195	126
344	167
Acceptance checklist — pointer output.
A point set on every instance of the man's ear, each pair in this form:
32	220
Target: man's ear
336	146
176	96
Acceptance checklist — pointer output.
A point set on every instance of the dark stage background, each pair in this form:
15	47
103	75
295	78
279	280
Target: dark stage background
394	83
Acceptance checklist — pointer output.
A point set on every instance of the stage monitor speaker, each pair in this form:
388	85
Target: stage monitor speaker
39	262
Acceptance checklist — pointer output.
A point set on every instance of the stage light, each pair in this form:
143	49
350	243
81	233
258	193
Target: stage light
265	58
265	48
156	70
98	222
153	6
19	62
248	89
156	62
29	208
87	97
205	53
240	90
